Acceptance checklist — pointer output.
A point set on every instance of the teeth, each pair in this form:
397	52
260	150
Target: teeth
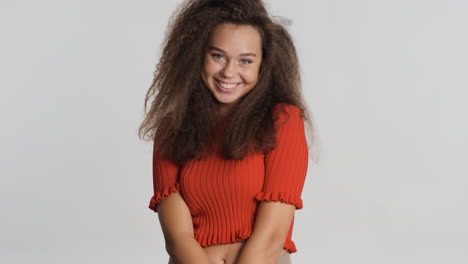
228	86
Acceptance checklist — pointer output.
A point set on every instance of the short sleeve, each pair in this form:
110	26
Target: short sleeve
165	179
286	165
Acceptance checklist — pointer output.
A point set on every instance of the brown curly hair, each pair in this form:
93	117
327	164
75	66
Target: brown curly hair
183	111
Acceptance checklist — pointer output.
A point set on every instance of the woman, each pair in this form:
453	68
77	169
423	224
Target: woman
230	153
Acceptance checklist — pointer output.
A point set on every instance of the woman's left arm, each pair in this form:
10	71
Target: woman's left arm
285	173
271	227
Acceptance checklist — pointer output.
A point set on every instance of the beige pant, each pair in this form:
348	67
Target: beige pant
283	259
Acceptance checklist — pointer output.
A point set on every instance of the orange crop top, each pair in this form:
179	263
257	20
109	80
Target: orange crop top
223	194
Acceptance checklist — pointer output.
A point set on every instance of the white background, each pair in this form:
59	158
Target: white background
386	82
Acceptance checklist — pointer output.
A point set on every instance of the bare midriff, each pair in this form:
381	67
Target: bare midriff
226	253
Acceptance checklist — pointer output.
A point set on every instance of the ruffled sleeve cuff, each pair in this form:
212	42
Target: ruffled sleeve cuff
157	197
280	197
290	246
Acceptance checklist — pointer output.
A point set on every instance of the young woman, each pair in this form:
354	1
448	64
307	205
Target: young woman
228	120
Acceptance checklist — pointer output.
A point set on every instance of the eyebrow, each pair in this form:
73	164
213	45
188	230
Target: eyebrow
243	54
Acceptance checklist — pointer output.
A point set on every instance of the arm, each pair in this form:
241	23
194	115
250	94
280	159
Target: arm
174	214
176	223
271	227
285	173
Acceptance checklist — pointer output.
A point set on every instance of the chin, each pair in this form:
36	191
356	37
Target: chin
226	101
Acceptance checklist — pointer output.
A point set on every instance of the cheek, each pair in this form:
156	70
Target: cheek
251	76
210	68
205	74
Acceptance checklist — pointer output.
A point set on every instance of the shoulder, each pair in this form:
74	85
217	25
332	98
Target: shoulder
284	112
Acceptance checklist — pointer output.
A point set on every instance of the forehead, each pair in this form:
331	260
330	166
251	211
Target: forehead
236	39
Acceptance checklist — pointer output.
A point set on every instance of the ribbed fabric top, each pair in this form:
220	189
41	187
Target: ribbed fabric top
223	194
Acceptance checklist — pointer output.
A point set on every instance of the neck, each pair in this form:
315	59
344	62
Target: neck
224	110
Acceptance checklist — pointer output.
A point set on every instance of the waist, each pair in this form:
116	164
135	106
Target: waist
227	253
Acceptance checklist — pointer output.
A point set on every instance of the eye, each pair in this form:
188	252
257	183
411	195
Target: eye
246	61
217	56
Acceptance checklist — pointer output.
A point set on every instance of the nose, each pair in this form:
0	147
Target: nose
228	70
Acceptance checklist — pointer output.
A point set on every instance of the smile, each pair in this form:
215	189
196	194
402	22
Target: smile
227	85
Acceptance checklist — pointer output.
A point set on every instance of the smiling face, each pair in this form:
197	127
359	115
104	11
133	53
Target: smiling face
232	62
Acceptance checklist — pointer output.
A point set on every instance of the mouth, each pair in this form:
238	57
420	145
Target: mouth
226	87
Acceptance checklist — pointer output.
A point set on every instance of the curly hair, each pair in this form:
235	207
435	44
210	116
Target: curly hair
182	115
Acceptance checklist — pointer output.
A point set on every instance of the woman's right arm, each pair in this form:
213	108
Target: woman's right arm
174	214
176	223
